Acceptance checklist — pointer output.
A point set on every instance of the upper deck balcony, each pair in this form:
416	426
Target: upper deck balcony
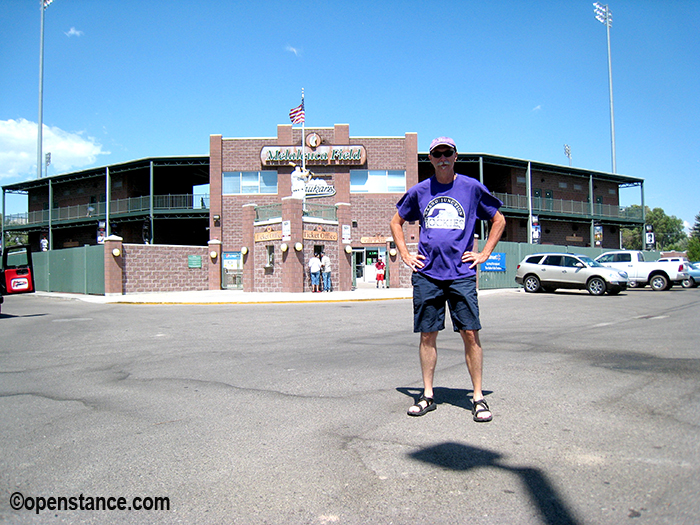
187	205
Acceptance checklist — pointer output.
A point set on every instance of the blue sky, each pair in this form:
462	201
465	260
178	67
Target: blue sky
132	79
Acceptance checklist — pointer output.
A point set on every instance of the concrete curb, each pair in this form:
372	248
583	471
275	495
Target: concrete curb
239	297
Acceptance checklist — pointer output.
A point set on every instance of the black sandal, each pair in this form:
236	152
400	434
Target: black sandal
477	408
429	405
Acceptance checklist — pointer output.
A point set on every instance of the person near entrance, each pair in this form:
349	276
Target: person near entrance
315	272
447	205
380	268
326	271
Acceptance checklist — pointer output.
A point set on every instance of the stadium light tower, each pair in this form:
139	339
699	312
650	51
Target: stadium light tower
604	15
44	4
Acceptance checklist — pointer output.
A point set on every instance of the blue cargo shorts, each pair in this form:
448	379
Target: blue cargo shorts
430	297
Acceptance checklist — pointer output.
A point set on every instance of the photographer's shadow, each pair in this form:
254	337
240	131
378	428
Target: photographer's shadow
459	457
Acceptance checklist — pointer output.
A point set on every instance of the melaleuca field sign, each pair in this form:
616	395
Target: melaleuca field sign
322	155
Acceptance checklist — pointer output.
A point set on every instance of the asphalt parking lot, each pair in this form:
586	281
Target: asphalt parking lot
296	413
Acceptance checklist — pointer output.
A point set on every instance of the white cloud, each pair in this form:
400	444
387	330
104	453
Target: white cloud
69	151
537	108
294	50
73	32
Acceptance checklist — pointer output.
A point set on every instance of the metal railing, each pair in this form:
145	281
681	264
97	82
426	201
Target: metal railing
274	211
268	212
161	203
568	207
321	211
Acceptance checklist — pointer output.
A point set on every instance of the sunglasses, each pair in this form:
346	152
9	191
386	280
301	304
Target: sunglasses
447	154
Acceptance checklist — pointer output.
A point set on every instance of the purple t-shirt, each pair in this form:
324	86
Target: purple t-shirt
447	215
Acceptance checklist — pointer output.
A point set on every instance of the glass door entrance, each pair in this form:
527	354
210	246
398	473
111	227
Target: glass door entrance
364	260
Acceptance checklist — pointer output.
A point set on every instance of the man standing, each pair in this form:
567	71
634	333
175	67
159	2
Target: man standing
326	271
447	206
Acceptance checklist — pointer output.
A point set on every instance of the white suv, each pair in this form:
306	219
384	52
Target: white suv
549	271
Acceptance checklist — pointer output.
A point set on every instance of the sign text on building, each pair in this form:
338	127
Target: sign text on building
314	235
373	240
324	155
274	235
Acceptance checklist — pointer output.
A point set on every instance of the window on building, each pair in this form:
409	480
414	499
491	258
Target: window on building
563	185
578	187
249	182
377	181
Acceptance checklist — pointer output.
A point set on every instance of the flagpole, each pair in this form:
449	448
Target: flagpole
303	135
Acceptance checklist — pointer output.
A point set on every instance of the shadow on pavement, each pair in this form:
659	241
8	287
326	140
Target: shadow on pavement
459	457
452	396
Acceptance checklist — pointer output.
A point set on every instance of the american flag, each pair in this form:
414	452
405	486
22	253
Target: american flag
296	115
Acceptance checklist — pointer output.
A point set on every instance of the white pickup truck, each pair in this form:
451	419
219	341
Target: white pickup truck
660	275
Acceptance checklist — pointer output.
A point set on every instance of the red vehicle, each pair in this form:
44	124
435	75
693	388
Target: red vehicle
16	275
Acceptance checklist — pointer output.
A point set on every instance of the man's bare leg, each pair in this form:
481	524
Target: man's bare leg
428	360
474	357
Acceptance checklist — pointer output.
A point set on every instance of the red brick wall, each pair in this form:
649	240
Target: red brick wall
373	212
215	204
163	268
232	218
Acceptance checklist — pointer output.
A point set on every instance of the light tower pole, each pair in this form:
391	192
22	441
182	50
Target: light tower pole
604	15
44	4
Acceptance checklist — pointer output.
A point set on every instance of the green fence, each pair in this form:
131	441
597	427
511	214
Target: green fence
515	252
81	270
71	270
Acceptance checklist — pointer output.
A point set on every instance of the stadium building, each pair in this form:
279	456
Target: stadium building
239	218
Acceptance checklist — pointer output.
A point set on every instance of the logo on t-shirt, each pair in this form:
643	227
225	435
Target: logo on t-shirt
444	213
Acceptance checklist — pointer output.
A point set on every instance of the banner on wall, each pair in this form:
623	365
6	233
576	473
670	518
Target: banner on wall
598	236
536	230
495	263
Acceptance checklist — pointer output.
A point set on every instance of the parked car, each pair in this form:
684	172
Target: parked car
693	279
660	275
549	271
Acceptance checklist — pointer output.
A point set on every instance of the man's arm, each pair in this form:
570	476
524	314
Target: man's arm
498	225
396	224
